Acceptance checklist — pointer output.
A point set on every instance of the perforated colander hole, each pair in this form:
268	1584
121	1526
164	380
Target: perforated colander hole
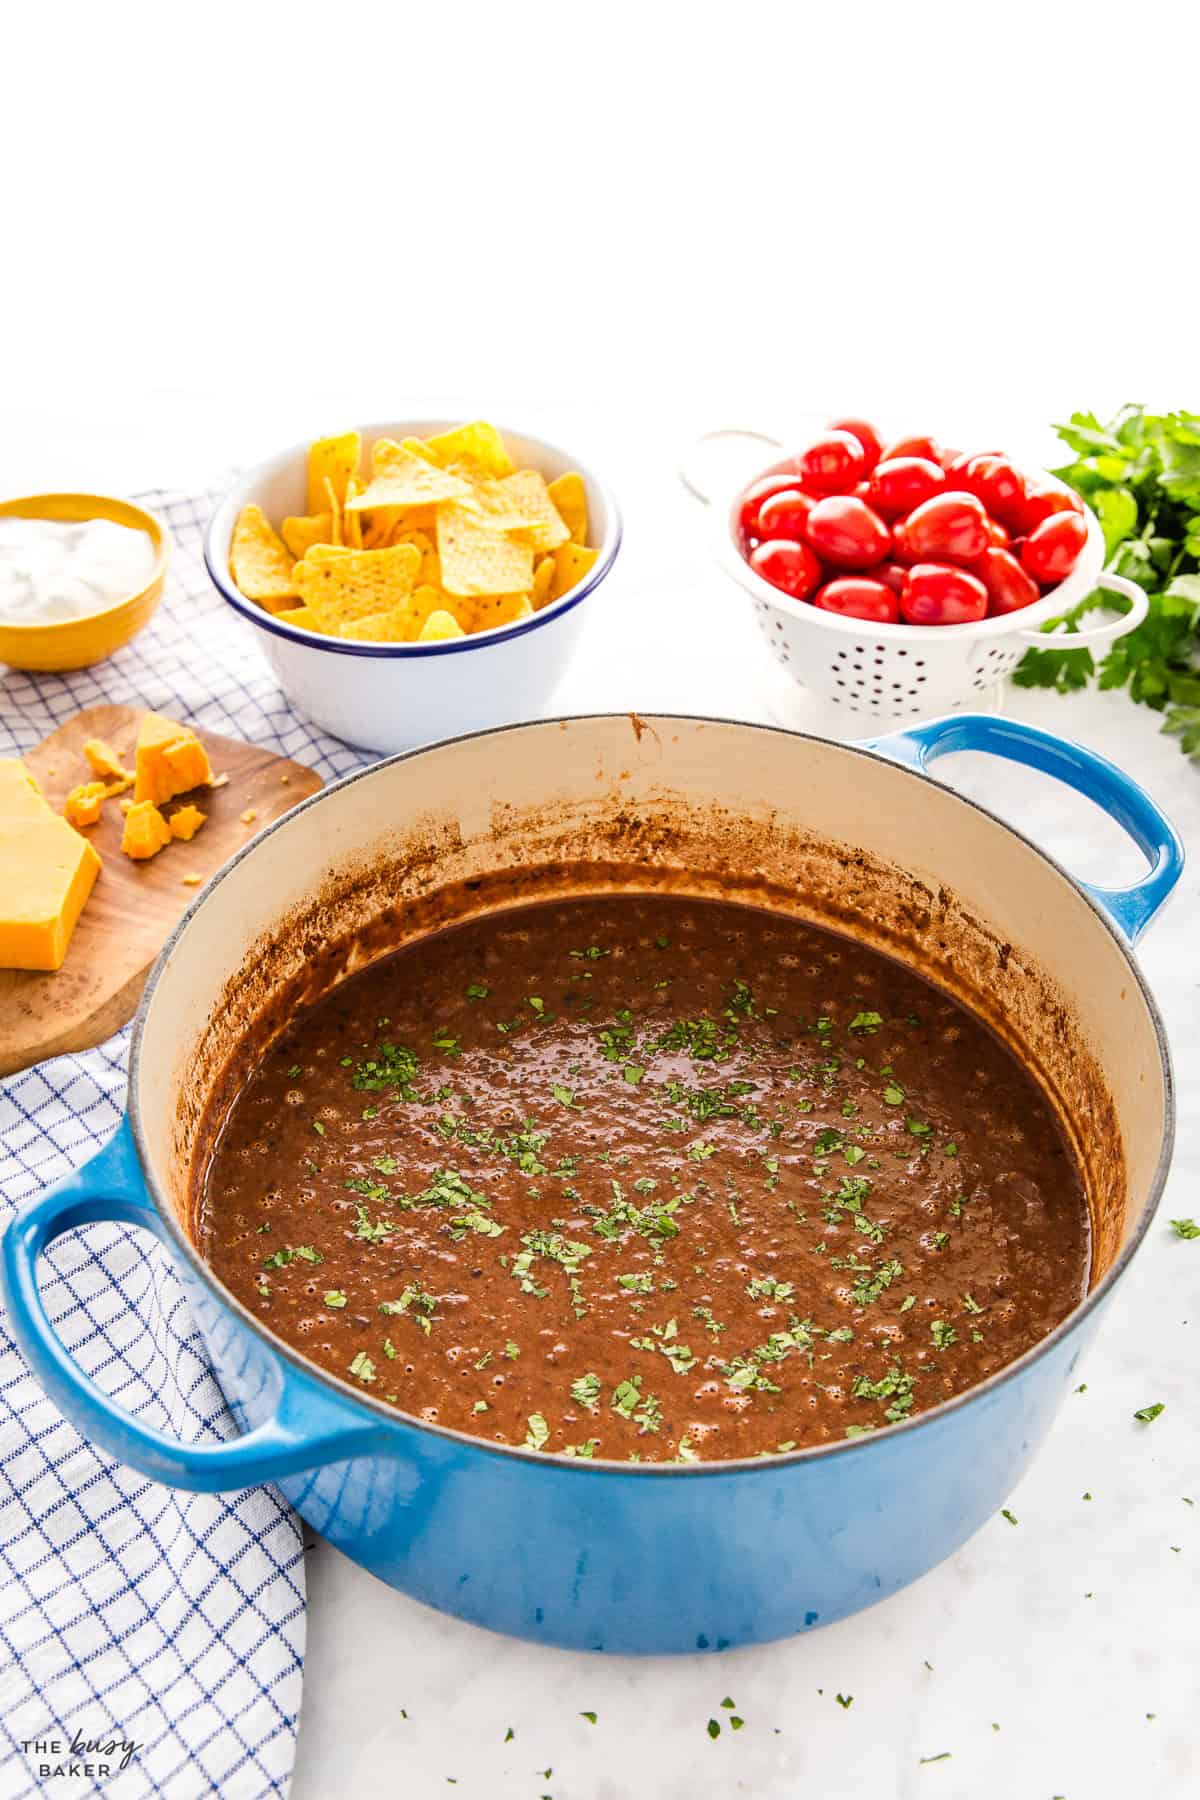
842	654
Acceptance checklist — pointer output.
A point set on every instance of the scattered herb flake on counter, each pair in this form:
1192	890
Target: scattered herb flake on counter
1005	1514
1140	474
1185	1228
1146	1415
713	1728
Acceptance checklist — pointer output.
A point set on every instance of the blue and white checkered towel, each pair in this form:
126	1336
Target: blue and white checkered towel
170	1623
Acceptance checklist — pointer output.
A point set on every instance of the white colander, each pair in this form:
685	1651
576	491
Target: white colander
900	671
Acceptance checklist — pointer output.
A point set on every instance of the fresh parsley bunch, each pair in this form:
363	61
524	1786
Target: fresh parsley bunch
1140	474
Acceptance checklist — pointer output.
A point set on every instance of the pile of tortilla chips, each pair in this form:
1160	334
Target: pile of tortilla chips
445	537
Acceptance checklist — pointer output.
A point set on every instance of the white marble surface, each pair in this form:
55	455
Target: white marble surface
1065	1631
726	214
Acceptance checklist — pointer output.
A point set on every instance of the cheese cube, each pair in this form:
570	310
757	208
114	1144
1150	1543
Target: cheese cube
146	831
84	804
170	760
46	874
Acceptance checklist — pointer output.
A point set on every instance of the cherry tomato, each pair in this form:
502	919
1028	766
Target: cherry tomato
892	574
924	447
1049	552
901	483
948	458
867	436
951	526
790	567
856	597
936	594
845	532
999	537
902	551
832	464
994	481
783	514
1009	587
1043	503
754	496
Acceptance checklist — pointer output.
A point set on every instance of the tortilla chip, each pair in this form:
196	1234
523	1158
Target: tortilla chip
335	511
437	626
342	586
260	562
478	560
402	479
420	605
478	446
332	459
571	564
522	502
390	627
302	616
543	581
352	533
301	534
570	497
498	609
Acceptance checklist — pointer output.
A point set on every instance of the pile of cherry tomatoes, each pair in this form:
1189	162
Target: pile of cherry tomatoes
908	531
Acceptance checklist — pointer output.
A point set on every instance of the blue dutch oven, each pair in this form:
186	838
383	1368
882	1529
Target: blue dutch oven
596	1555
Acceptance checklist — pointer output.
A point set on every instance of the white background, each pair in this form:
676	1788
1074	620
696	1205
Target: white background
230	227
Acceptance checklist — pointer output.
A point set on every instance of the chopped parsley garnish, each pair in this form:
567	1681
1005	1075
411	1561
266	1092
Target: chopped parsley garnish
1145	1415
537	1436
943	1334
895	1387
585	1389
335	1298
392	1066
363	1367
865	1022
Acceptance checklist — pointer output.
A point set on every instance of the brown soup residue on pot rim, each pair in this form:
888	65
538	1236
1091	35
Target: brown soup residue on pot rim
645	1177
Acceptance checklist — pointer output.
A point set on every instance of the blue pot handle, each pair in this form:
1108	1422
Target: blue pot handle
306	1429
1131	908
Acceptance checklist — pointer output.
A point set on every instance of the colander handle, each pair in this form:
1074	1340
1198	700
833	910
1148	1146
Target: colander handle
690	469
1091	637
1131	908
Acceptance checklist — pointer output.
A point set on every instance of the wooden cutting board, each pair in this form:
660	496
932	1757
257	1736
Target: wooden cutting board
133	905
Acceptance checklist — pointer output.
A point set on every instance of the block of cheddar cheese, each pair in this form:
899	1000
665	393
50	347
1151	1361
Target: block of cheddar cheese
20	796
47	871
170	760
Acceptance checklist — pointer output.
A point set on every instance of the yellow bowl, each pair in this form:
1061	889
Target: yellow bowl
74	643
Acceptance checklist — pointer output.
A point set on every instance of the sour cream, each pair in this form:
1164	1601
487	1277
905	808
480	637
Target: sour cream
51	570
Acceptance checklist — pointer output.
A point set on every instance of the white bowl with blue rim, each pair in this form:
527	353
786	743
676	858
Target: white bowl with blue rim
390	697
